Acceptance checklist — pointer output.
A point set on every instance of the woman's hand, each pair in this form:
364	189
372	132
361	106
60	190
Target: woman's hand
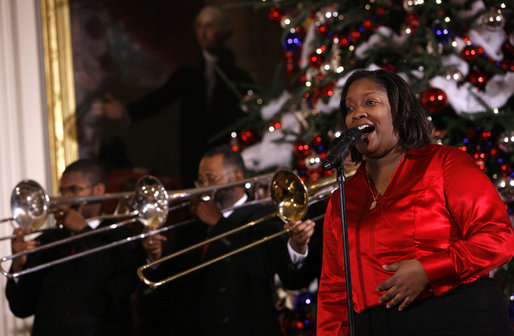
404	286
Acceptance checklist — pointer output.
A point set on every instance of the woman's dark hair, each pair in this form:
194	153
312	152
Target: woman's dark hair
409	118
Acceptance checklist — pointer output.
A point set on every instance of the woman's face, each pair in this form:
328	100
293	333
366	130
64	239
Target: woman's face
367	107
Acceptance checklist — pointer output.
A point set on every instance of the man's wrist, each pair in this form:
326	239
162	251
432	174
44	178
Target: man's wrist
298	248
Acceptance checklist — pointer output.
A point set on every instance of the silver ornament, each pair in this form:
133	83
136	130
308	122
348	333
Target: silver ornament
493	20
506	141
453	74
505	187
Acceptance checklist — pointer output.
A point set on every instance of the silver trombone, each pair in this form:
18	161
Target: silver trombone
291	197
30	206
151	203
150	208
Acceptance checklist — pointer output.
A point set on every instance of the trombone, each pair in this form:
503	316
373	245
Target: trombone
291	197
30	205
151	202
151	209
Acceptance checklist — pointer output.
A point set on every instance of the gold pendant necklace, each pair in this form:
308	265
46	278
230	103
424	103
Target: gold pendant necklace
379	193
375	197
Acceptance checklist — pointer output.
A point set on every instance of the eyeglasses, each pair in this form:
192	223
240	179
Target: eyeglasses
73	189
210	179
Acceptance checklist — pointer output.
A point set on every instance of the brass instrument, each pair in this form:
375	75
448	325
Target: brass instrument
150	208
151	203
291	197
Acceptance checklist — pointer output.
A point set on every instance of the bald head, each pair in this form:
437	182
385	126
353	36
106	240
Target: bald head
212	29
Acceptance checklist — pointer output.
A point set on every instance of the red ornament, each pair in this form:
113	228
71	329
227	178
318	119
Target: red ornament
301	149
248	136
413	21
275	14
290	63
314	174
471	53
412	17
274	125
485	136
322	29
494	153
480	157
367	24
505	169
328	90
478	78
434	100
315	60
343	42
507	65
234	144
355	35
327	172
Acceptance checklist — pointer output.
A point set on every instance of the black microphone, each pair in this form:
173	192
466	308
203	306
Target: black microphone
340	151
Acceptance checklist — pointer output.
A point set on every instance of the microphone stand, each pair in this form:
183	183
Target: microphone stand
341	179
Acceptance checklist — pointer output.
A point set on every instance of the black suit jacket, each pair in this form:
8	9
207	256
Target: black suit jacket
85	296
235	296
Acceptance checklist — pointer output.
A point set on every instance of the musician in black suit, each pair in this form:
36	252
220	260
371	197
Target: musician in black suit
234	296
88	295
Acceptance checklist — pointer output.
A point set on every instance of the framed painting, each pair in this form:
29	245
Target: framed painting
97	51
94	49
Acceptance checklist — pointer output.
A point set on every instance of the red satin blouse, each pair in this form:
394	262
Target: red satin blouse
439	208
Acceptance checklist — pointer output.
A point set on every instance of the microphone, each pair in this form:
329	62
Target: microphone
340	151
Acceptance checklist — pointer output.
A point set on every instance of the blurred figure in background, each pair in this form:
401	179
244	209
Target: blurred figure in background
209	92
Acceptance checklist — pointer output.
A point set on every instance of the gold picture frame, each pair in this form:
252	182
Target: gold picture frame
60	89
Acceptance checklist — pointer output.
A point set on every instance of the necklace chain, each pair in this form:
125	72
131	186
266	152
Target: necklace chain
375	196
379	193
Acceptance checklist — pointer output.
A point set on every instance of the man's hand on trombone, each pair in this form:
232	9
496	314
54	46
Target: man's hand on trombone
300	235
207	211
153	245
70	218
18	244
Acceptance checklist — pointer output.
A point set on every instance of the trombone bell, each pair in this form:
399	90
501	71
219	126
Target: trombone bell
151	200
29	204
289	194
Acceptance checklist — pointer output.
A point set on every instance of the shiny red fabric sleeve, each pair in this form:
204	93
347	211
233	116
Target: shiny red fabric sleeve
332	314
481	219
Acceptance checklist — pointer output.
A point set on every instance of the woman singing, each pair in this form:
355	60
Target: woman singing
425	226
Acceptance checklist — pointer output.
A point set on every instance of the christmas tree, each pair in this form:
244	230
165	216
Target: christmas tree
458	56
